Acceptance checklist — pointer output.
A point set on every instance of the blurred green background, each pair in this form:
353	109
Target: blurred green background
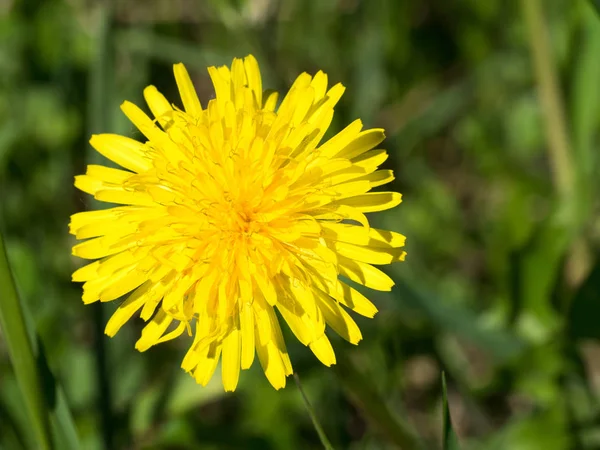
492	112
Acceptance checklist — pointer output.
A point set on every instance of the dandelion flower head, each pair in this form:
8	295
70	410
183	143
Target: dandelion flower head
229	213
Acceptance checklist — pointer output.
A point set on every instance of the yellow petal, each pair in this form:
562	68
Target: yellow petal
338	212
127	309
122	150
344	175
155	295
272	364
207	364
277	339
334	145
248	339
153	331
358	235
221	78
361	143
92	289
128	258
230	367
86	272
266	287
254	78
110	227
270	100
385	238
88	184
180	289
304	327
189	98
371	159
108	174
370	255
289	101
100	247
303	104
373	201
82	219
353	299
339	320
173	334
160	107
334	94
192	356
364	274
350	189
324	106
323	350
122	282
379	177
124	197
154	134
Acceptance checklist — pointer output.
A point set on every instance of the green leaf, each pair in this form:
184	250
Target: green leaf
22	354
63	425
44	399
450	441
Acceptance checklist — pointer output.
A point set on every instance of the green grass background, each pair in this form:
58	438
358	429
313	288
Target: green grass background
500	288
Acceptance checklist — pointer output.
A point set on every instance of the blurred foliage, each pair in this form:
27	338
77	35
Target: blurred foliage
487	293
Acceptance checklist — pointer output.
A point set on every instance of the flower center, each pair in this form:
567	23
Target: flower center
240	219
245	222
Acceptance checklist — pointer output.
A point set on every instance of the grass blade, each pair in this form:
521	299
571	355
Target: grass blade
63	425
449	439
22	354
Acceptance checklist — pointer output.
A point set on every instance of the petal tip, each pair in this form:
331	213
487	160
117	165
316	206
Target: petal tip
150	88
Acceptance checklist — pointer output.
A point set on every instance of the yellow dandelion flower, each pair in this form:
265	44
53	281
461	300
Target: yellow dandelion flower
232	212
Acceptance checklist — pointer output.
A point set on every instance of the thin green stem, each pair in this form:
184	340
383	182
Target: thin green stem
559	146
22	353
563	169
322	436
